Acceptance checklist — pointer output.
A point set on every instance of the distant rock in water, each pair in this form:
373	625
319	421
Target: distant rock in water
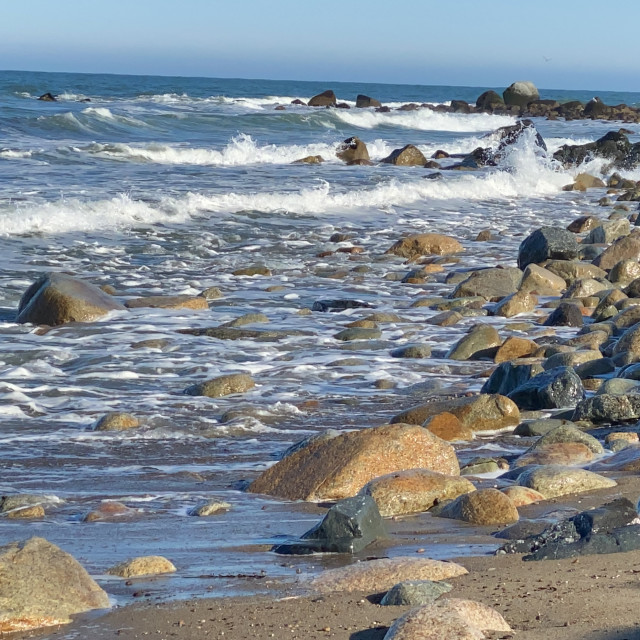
363	102
488	101
520	94
353	151
324	99
48	97
56	298
409	155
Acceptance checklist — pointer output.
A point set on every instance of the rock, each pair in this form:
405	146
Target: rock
626	461
117	421
346	335
339	305
488	101
492	284
570	270
309	160
414	593
247	318
27	513
414	490
547	243
446	426
142	566
557	480
476	344
516	303
511	375
362	102
412	351
629	341
252	270
625	248
325	99
522	496
482	507
565	314
211	508
534	428
618	387
520	94
168	302
584	223
33	573
553	389
24	500
614	146
222	386
584	181
353	150
607	408
571	359
583	288
480	466
338	468
211	293
451	619
56	298
608	231
513	348
107	510
48	97
478	413
425	244
541	280
564	453
408	156
375	576
349	526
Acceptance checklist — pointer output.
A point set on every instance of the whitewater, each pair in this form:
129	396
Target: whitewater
167	186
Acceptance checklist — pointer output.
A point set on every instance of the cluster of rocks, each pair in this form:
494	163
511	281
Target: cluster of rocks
518	99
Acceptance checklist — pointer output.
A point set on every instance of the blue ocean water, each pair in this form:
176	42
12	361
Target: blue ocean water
163	186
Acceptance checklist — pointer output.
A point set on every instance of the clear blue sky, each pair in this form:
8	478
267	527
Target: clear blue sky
562	44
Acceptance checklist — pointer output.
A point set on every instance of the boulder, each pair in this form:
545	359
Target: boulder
565	314
309	160
516	303
542	281
353	151
508	376
338	468
414	593
614	146
609	409
412	351
535	428
48	97
608	231
520	94
557	480
142	566
414	490
408	156
349	526
477	343
553	389
584	223
222	386
27	513
198	303
43	586
482	507
375	576
451	619
56	298
629	341
117	421
488	101
564	453
325	99
211	508
584	287
513	348
108	510
571	358
522	496
624	248
362	102
570	270
547	243
479	413
446	426
627	460
492	284
584	181
425	244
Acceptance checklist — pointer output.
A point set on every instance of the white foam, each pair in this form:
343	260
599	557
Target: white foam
423	120
15	153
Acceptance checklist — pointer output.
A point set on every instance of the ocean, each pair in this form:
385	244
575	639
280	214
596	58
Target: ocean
165	186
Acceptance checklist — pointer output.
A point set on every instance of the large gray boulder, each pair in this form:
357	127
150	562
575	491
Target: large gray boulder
520	94
325	99
42	586
547	243
353	151
57	298
553	389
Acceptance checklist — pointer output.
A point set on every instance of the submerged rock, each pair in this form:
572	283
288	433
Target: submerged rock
222	386
425	244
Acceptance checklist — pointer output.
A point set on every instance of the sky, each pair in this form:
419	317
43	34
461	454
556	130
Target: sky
561	44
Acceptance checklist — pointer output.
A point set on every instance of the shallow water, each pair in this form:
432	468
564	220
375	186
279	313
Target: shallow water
166	186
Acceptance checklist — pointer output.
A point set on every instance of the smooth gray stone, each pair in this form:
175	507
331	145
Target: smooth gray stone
554	389
538	427
415	593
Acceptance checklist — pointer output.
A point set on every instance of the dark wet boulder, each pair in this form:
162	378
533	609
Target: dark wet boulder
614	146
353	151
492	284
547	243
349	526
460	106
339	305
48	97
624	248
325	99
608	409
299	102
512	133
542	108
57	298
571	110
509	376
520	94
362	102
554	389
565	314
597	110
408	156
488	101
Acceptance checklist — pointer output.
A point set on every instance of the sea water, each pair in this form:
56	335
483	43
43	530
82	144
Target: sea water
164	186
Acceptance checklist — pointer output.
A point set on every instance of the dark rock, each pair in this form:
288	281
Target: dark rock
520	94
353	151
231	333
324	99
553	389
509	376
565	315
488	101
363	102
609	517
607	408
348	527
299	102
614	146
412	351
538	427
414	593
48	97
460	106
339	305
547	243
409	155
